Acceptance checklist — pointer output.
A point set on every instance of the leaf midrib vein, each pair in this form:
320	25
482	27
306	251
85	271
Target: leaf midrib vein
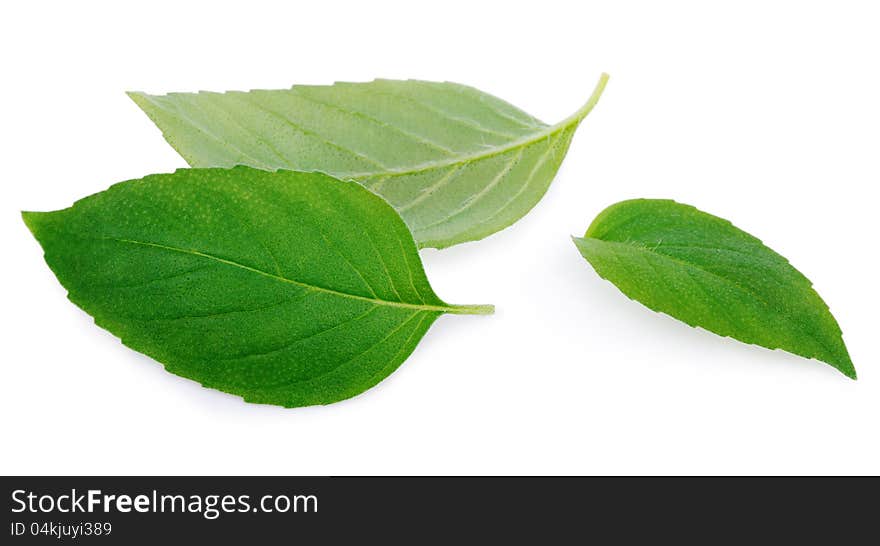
470	158
375	301
549	130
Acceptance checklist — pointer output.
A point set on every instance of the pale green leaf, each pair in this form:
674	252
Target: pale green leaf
457	164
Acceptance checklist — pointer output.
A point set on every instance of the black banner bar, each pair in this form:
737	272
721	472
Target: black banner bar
254	510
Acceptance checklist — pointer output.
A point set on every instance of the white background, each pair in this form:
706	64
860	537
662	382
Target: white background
765	113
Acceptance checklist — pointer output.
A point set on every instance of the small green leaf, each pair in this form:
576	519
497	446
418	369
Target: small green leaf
457	164
284	288
702	270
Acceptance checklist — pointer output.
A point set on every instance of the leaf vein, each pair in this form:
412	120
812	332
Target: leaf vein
350	360
376	301
414	137
206	131
255	136
445	114
757	297
482	193
360	155
290	343
427	192
525	185
297	299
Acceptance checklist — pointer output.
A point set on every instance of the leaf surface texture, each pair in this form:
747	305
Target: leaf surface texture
284	288
702	270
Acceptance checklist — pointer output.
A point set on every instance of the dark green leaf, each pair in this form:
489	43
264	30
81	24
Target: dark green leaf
705	272
457	164
284	288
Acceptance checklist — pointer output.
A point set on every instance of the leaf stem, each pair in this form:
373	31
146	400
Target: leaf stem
486	309
577	117
588	106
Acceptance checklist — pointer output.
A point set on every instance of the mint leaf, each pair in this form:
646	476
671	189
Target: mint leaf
457	164
702	270
284	288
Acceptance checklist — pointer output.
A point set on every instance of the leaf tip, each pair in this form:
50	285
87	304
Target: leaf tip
140	98
847	368
578	241
838	357
31	220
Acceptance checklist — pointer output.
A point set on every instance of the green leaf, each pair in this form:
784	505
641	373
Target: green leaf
284	288
457	164
702	270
